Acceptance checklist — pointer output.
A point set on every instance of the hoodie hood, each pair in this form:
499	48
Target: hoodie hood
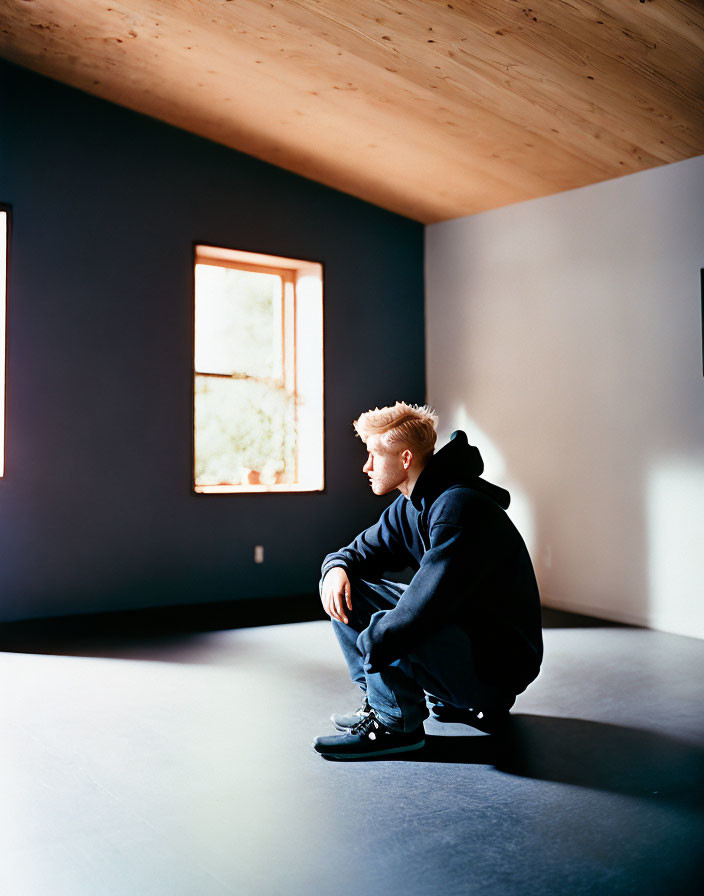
458	463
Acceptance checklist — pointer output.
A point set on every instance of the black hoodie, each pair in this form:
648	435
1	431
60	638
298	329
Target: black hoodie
471	568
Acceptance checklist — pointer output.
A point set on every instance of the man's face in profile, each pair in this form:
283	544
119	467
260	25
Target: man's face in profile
384	467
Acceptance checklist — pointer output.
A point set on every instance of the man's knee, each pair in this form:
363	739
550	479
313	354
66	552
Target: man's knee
375	592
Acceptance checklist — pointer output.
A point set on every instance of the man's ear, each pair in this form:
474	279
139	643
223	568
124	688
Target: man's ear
407	458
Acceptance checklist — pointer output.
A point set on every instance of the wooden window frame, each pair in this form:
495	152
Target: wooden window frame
289	270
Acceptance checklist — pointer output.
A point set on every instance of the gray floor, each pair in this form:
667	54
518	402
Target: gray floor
184	766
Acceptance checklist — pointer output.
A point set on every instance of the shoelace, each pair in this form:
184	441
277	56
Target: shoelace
368	725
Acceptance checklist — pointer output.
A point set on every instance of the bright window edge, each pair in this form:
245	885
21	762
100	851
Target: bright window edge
5	225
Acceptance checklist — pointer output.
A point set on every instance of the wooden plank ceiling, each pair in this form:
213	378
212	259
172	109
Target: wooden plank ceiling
430	109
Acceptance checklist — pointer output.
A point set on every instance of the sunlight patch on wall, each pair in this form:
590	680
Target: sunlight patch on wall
675	545
521	508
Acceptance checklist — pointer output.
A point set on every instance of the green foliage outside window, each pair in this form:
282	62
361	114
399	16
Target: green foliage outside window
245	419
243	428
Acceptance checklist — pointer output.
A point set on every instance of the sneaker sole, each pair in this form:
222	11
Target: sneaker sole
389	752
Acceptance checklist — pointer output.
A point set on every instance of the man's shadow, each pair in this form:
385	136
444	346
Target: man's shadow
602	756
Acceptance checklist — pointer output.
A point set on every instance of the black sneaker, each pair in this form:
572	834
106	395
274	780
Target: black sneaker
367	739
344	722
490	721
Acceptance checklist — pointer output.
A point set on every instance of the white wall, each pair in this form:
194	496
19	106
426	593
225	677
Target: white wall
565	334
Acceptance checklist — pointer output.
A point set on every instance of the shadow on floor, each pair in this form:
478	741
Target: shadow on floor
179	634
600	756
151	632
562	619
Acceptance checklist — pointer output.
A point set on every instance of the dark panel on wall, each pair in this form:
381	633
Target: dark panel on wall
96	507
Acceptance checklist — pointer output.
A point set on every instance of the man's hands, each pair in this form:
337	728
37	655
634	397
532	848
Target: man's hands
336	594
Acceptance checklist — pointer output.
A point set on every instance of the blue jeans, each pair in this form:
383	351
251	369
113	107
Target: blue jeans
441	665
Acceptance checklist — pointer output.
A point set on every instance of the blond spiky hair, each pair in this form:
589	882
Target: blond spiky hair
406	425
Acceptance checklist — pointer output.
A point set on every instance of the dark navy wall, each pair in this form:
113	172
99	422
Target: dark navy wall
96	507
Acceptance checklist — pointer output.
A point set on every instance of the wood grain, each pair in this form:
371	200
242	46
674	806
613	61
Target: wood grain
429	109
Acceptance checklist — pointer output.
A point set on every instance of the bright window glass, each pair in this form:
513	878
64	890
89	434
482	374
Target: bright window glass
3	287
258	384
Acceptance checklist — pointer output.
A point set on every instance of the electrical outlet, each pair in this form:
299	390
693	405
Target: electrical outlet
258	553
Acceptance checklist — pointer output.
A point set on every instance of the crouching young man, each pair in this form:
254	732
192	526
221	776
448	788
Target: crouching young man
466	632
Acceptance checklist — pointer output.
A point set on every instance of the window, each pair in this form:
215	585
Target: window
258	364
4	231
